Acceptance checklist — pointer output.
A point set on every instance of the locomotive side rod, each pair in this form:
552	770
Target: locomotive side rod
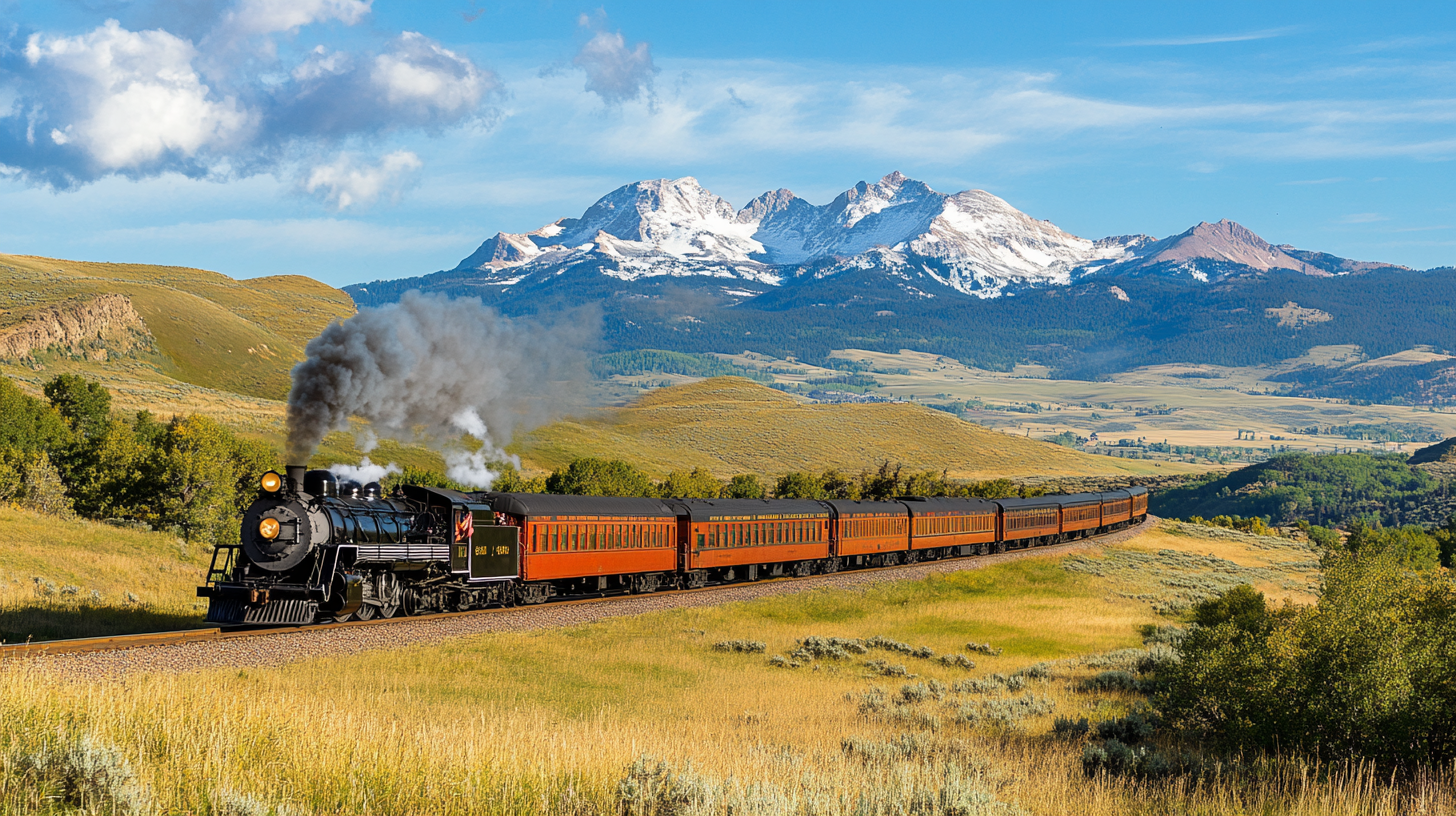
46	648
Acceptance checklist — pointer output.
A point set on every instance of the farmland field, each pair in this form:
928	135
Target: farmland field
1179	404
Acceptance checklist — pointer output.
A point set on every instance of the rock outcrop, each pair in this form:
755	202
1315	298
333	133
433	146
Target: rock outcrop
81	327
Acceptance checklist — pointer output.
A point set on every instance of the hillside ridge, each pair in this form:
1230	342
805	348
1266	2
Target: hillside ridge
731	425
205	328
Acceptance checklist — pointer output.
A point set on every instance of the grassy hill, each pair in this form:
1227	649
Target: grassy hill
1441	452
205	329
730	425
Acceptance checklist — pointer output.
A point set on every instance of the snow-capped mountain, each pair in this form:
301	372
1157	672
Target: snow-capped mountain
973	241
897	232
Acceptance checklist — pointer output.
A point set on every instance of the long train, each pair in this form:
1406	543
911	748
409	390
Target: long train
313	549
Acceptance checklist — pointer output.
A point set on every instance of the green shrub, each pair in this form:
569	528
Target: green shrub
1367	672
744	486
651	787
983	648
743	646
910	694
600	477
1111	681
904	746
1136	726
884	669
1006	712
830	648
86	773
1117	759
1068	728
989	684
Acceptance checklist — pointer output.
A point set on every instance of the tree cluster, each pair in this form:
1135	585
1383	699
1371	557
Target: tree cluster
1317	488
611	477
70	455
1367	672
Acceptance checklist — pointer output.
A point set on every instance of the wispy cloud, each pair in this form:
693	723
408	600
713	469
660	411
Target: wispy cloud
1363	218
750	111
307	236
1208	39
1304	182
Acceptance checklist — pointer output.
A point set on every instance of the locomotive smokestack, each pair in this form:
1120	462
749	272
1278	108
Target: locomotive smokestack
295	477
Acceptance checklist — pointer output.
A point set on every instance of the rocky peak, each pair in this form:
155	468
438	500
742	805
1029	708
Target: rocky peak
1226	241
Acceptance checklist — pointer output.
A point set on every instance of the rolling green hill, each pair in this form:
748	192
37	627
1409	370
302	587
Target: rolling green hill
201	328
731	425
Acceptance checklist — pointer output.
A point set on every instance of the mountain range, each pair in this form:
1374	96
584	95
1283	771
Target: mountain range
896	265
925	242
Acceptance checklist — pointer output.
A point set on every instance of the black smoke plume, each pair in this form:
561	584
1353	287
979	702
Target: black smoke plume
435	367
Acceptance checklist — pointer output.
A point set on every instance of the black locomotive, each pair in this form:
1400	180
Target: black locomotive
313	548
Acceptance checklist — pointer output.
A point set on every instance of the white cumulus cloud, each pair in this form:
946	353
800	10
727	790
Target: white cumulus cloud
614	71
74	109
126	99
270	16
420	73
345	183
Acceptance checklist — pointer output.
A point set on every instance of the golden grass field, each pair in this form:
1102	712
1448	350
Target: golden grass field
549	722
731	425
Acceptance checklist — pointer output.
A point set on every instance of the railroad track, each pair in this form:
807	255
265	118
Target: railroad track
188	637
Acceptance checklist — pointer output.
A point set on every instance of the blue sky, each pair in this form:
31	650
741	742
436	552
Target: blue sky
351	140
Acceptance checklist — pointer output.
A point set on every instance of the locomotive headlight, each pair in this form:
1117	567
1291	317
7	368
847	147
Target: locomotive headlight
268	528
270	483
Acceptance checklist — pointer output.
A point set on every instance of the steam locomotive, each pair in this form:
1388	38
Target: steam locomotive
314	549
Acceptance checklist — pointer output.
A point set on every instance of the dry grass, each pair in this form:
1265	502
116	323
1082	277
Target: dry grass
731	425
549	722
81	579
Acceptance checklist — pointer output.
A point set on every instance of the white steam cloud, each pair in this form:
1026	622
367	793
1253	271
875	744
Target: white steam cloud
363	473
430	368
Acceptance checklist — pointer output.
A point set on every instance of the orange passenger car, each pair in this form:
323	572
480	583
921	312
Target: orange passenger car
1116	507
872	528
940	524
1081	512
722	535
1028	522
570	537
1139	502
